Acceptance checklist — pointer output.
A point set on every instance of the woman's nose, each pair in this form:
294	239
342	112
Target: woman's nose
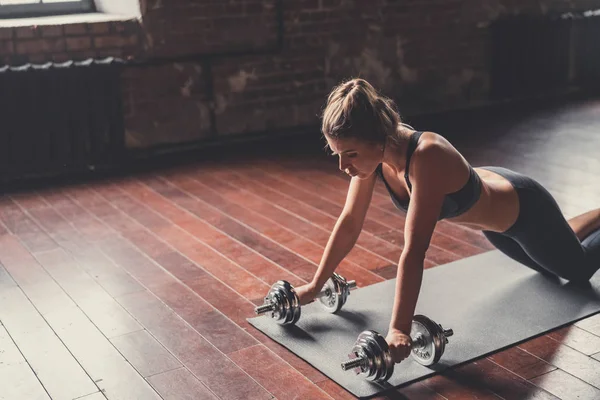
343	164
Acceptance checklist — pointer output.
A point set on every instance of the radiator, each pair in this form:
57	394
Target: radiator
59	118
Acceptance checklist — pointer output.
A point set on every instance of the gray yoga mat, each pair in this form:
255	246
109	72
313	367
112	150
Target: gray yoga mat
490	301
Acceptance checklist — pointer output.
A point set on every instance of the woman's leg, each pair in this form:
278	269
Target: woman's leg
513	249
586	223
591	244
548	239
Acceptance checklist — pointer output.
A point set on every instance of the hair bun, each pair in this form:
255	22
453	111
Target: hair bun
356	109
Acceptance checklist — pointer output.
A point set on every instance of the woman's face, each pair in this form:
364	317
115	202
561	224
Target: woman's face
357	158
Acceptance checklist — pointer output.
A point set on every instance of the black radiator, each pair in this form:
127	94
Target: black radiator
59	118
529	55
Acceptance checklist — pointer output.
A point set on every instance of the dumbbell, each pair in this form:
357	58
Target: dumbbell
371	355
283	303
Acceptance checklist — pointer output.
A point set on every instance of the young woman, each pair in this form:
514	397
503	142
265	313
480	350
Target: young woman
430	180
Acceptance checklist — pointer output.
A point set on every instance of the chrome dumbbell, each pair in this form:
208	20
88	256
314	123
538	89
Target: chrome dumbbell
371	357
284	306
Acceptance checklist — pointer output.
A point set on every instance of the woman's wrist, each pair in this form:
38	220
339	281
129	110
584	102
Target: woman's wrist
401	329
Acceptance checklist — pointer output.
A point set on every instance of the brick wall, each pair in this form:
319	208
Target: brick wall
427	54
42	43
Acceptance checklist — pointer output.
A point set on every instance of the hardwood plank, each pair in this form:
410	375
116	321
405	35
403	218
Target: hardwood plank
380	231
304	368
93	396
278	377
106	313
213	368
213	262
280	226
213	325
144	353
120	251
485	375
90	229
111	372
237	190
417	391
55	367
522	363
578	339
213	291
47	296
451	388
23	383
565	358
114	280
566	386
269	249
14	369
23	268
287	239
6	281
136	263
367	242
188	238
98	305
220	330
590	324
244	257
180	384
21	225
335	391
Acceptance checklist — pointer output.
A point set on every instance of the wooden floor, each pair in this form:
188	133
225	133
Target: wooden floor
139	287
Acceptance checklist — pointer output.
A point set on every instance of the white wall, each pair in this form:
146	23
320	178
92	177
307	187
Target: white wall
122	7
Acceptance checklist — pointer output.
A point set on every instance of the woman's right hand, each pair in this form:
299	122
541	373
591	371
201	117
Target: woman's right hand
306	293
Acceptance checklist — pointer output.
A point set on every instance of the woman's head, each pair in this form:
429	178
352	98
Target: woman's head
357	122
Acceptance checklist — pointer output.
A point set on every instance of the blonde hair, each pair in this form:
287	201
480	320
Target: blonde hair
355	109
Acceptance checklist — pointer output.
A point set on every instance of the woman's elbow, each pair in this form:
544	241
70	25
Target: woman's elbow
414	255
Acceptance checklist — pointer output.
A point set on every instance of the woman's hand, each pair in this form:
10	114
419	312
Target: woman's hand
307	293
400	345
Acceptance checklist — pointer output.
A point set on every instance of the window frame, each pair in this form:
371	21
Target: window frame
40	9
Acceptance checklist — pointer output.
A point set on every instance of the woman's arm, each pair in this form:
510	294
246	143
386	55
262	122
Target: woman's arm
343	236
428	190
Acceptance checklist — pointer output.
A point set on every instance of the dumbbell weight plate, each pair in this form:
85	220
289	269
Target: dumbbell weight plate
372	346
433	339
283	295
331	299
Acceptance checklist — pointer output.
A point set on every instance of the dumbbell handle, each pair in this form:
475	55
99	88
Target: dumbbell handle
359	361
415	342
265	308
353	363
351	285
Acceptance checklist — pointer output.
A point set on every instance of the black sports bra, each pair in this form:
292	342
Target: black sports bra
454	203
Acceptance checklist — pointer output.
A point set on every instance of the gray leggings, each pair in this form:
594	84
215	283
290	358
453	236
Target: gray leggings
541	238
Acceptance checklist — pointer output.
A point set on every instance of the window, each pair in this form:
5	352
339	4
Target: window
38	8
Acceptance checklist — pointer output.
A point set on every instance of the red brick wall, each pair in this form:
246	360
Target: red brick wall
42	43
429	55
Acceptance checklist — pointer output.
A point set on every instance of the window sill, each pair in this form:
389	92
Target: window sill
65	19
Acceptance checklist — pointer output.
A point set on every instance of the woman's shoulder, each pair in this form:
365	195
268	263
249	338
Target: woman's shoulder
434	155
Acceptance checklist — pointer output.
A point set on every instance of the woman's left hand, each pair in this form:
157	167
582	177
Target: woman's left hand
400	345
